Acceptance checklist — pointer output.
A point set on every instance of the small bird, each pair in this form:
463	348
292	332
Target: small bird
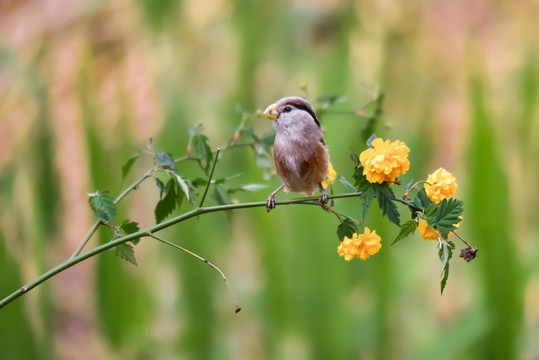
300	153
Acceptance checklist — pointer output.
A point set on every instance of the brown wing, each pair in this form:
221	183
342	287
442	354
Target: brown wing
315	168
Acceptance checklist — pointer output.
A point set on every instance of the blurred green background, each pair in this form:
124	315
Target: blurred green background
84	84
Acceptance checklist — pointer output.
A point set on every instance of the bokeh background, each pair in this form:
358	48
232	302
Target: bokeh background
84	84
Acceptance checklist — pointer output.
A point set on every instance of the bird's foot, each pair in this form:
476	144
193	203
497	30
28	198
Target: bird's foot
270	203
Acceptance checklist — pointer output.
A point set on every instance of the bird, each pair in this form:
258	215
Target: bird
299	150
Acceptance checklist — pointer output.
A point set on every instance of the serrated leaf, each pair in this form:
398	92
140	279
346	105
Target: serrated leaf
367	189
429	212
201	148
130	227
445	216
103	206
370	139
167	204
345	184
183	185
347	228
445	253
126	252
408	228
386	201
129	163
164	161
421	200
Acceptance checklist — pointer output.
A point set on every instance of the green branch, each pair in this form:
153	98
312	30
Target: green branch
75	259
116	201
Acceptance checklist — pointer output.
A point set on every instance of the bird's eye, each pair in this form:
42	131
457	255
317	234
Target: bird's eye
287	108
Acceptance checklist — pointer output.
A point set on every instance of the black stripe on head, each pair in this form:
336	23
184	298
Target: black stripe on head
301	104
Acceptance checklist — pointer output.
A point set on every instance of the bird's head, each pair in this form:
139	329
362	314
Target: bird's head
289	108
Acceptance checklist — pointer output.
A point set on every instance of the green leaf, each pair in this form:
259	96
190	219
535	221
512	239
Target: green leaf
445	253
167	204
408	228
129	163
201	148
103	206
126	252
130	227
248	187
429	211
421	200
384	194
367	189
445	216
218	197
347	228
355	158
161	187
183	185
164	161
345	184
386	201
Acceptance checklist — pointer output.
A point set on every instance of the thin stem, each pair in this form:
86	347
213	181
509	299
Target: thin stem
209	178
311	200
238	309
406	202
135	184
461	239
86	239
96	225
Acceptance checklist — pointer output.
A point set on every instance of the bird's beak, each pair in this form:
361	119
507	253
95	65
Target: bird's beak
270	112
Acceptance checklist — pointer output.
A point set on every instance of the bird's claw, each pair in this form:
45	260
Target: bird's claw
270	203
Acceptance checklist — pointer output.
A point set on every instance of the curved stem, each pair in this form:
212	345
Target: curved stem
75	259
238	308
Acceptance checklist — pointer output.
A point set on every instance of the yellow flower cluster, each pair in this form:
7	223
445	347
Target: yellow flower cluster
385	161
440	185
332	174
361	246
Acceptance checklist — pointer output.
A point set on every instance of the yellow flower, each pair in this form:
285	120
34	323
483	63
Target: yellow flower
426	233
332	174
386	161
443	185
361	246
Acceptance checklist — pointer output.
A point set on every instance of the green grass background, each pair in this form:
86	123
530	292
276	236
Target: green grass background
84	84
